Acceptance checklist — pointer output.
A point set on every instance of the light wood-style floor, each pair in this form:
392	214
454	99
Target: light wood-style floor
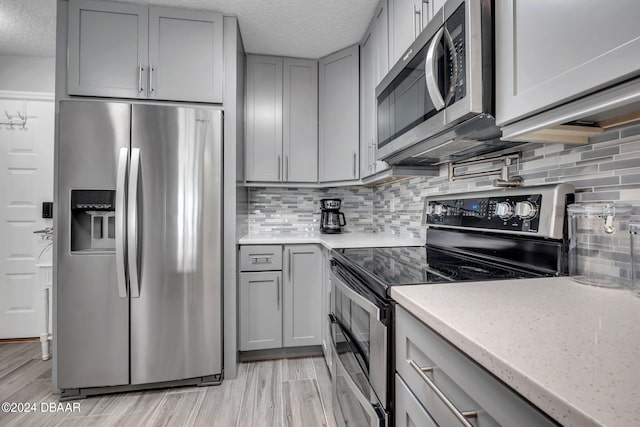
288	392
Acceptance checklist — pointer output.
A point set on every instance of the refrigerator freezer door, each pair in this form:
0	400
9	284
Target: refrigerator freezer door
93	321
176	320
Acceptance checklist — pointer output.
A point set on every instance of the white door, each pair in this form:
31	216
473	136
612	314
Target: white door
26	180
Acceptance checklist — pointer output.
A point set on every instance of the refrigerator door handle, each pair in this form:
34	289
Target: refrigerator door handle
121	179
132	223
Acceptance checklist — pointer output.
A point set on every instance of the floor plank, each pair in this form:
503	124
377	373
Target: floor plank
300	368
16	354
177	409
135	409
262	398
302	404
221	406
30	370
267	393
324	385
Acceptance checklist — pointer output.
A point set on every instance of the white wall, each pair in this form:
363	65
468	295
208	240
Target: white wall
27	73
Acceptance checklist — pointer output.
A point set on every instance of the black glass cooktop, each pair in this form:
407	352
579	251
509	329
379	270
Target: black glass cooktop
418	265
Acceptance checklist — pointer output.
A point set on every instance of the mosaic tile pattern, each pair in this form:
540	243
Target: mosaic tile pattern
297	210
606	169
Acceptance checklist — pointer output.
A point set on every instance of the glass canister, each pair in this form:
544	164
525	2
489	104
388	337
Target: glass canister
634	231
599	247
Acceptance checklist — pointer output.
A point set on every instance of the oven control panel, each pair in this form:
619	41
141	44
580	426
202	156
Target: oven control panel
519	213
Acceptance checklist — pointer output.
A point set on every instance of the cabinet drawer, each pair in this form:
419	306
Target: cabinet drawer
468	386
261	258
409	411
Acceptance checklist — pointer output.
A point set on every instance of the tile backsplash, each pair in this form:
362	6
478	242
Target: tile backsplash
606	169
297	210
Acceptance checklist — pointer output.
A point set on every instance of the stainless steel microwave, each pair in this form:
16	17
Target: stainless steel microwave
437	103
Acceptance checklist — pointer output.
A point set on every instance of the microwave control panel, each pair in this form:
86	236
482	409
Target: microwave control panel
513	213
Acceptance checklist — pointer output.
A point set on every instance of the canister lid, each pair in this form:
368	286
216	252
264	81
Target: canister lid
599	209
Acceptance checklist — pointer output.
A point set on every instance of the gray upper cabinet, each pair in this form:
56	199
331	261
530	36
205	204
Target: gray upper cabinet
185	55
540	67
124	50
407	18
374	65
282	119
108	45
339	115
300	115
260	310
302	317
263	135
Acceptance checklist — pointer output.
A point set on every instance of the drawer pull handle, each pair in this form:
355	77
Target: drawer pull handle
461	416
260	260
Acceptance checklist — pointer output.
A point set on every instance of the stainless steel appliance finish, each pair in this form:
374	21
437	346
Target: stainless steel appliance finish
505	234
437	103
147	311
538	211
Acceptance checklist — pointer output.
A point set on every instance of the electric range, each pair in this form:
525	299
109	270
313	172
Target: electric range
513	233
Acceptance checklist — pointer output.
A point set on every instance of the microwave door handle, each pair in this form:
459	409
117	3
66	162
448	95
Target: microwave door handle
453	83
430	72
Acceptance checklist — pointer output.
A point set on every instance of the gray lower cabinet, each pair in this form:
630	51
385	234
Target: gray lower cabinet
583	46
436	372
326	308
302	317
282	119
339	111
280	308
409	412
260	310
126	50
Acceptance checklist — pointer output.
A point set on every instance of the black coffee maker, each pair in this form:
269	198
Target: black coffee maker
331	219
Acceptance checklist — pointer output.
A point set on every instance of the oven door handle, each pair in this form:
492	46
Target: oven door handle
354	296
377	419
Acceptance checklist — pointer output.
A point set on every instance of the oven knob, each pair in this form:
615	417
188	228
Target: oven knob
439	210
504	210
526	210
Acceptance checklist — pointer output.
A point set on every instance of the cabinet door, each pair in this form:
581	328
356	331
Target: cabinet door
339	115
107	49
404	26
429	9
367	99
300	115
260	310
302	295
185	55
584	46
326	308
264	119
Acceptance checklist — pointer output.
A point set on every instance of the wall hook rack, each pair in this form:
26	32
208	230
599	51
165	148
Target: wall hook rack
15	120
504	181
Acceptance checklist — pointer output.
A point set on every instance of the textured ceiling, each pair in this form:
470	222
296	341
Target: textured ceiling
300	28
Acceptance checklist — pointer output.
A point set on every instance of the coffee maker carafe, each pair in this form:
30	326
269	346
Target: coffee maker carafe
331	219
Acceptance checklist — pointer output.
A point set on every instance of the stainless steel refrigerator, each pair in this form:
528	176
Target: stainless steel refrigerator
138	247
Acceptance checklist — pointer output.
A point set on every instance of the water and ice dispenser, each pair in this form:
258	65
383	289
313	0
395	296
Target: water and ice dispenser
93	220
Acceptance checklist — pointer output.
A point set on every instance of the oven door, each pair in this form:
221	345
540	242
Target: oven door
360	341
354	401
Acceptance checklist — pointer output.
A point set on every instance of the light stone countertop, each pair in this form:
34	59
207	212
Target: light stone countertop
352	239
572	350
